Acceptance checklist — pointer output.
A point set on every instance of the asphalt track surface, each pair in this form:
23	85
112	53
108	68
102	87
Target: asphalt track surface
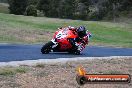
19	52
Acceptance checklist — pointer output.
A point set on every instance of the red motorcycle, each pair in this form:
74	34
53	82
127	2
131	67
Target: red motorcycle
60	42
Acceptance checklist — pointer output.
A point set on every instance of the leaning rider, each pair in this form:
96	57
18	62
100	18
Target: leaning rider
81	32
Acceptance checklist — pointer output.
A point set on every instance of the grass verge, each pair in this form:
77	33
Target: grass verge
63	75
7	71
28	29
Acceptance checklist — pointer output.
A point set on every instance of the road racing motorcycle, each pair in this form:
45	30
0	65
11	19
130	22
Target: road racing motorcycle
61	42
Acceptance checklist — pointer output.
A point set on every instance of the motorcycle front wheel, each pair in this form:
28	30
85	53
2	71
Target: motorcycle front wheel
47	47
77	52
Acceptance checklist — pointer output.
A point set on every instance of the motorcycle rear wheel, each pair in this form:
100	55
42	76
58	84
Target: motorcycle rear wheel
47	47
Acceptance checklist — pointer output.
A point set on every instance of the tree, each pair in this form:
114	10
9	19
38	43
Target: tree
44	5
126	5
3	1
54	8
50	8
31	11
67	9
62	9
83	9
17	7
33	2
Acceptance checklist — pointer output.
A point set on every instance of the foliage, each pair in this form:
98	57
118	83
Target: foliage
17	7
3	1
31	10
74	9
33	2
112	8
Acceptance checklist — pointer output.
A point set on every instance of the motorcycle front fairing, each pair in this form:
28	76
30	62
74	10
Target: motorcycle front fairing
61	39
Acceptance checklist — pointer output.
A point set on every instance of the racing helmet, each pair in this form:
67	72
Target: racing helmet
81	31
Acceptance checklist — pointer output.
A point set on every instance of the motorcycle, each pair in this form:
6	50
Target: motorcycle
61	42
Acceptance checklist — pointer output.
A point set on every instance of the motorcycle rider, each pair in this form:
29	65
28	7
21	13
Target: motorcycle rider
81	32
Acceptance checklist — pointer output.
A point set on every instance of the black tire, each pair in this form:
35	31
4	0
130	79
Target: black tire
81	80
71	52
77	52
47	47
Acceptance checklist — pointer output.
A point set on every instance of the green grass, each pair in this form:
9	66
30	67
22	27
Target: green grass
7	71
40	65
28	29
